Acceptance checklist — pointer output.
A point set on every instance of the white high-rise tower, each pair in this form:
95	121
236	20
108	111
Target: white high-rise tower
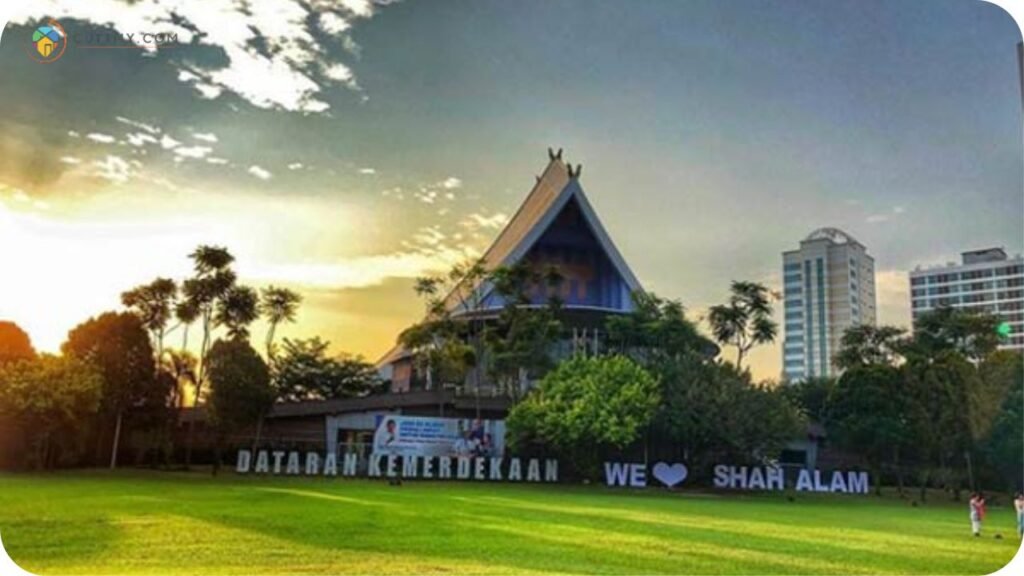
828	286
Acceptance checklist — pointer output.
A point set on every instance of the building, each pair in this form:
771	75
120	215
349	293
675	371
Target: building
556	226
984	281
828	286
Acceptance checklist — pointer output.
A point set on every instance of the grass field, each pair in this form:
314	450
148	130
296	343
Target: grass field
153	522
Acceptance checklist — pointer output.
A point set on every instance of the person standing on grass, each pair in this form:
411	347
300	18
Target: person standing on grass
1018	505
977	512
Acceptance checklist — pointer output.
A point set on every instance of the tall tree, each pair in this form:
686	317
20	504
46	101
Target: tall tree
153	303
865	345
277	305
971	334
14	343
202	293
870	416
746	320
185	312
520	341
656	330
48	398
241	389
236	310
118	345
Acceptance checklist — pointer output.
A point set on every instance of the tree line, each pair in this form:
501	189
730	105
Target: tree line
939	408
117	373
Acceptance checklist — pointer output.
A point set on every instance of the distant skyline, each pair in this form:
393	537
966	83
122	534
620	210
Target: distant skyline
345	152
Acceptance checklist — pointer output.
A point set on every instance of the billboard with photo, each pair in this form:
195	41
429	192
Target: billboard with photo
430	436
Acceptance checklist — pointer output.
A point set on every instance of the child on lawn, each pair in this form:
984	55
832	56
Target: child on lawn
977	512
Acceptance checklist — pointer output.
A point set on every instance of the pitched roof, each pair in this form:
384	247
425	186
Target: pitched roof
555	188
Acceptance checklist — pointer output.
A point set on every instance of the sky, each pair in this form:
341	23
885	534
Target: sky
344	148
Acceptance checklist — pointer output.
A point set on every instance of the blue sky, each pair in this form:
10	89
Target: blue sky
346	153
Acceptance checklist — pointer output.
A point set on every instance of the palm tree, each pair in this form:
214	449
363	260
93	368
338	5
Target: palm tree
152	304
746	320
278	305
212	281
186	313
236	310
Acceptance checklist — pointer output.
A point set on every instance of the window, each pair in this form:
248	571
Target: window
791	267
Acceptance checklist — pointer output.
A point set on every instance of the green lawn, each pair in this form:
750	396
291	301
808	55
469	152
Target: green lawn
159	522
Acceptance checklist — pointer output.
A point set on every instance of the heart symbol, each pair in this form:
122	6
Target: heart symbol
670	475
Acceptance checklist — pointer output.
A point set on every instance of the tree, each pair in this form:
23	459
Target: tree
971	334
745	321
656	330
118	345
864	345
870	415
304	371
711	411
585	407
520	341
241	390
277	305
443	346
185	312
14	343
202	293
153	303
236	310
49	397
939	414
1004	446
813	396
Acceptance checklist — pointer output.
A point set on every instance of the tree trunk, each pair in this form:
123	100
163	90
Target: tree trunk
924	485
117	441
259	430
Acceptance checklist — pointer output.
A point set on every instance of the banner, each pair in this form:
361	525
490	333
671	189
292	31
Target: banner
432	437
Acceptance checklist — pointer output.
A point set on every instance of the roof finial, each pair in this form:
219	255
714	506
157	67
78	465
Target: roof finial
551	153
559	154
574	173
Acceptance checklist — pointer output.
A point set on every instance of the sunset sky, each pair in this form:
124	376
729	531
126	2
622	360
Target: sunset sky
345	148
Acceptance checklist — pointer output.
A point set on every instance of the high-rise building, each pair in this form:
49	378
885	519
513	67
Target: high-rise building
984	281
828	286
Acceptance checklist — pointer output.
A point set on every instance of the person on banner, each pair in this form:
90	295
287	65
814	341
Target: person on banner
386	437
977	507
462	447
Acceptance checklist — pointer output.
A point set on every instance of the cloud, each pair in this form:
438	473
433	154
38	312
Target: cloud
167	142
114	169
259	172
295	166
451	183
876	218
70	160
247	33
140	125
477	221
101	138
205	136
367	171
214	160
426	195
195	152
899	210
140	138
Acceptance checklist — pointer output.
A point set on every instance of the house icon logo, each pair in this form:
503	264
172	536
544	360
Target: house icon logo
49	41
